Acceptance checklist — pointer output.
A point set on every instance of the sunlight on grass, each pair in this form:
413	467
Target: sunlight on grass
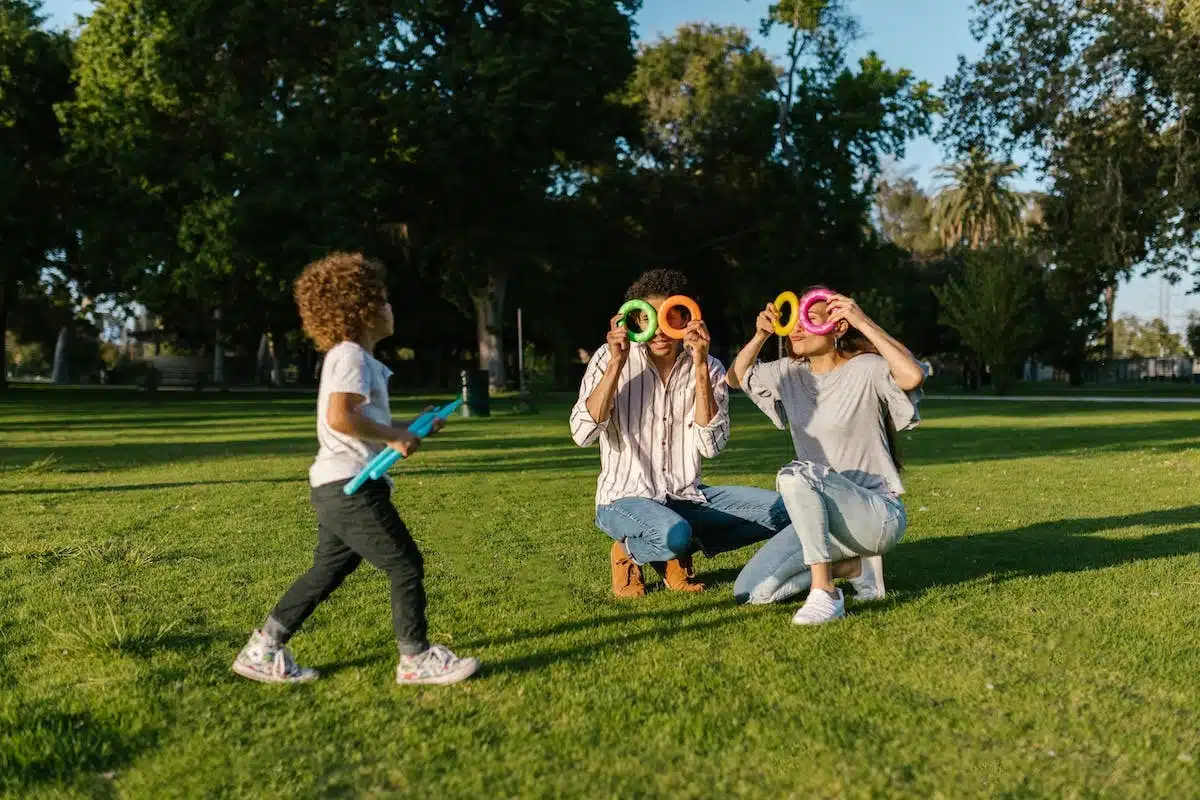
1034	642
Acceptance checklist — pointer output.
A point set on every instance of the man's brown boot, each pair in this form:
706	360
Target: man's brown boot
626	574
678	573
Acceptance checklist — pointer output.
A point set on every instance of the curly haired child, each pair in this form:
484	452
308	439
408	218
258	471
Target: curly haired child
345	310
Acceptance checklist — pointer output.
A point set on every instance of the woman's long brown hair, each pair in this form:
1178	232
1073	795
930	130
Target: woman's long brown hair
852	343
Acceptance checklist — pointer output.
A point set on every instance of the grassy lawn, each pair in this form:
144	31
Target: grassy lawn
1040	639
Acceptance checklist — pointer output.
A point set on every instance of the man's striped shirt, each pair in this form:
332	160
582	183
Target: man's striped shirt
650	445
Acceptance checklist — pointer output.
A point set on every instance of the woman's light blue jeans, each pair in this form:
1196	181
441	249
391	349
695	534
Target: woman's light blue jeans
833	519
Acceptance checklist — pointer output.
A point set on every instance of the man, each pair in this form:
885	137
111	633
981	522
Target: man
657	409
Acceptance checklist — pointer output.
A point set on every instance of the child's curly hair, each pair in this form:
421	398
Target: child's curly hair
339	297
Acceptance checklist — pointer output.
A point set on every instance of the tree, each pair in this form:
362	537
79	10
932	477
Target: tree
905	215
504	109
993	309
1193	333
1102	95
220	148
34	76
976	207
1146	339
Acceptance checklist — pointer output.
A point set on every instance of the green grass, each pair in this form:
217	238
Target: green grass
1040	639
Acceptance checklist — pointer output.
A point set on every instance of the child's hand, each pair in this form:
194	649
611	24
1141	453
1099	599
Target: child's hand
438	422
404	441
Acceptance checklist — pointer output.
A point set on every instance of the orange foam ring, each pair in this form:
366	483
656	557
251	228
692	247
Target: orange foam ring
671	302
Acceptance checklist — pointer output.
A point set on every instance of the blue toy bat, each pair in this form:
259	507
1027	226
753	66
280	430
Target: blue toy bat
420	427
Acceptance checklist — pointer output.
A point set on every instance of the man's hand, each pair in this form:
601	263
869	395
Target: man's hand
695	336
618	342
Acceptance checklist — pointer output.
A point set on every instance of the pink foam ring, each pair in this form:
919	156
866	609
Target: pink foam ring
809	300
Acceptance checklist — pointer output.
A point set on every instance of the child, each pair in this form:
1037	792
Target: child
843	395
344	307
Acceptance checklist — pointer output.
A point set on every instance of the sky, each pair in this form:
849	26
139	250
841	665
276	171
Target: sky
925	36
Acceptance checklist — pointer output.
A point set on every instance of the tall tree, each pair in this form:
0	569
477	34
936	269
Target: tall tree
503	108
34	77
976	205
1104	97
222	147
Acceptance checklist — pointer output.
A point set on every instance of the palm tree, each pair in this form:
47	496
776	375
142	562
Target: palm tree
976	206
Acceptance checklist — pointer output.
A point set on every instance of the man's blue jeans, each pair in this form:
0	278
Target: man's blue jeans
733	517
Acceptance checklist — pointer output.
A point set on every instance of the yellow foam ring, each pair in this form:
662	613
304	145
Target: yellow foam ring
667	305
787	299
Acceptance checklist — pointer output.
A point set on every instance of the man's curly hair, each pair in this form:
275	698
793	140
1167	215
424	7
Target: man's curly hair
339	297
659	283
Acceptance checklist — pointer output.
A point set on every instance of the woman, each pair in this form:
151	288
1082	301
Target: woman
843	396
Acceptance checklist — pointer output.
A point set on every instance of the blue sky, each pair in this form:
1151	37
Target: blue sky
925	36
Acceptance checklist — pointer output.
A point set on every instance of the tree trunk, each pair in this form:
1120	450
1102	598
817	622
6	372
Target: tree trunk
218	373
7	290
279	360
489	314
1110	296
260	365
61	373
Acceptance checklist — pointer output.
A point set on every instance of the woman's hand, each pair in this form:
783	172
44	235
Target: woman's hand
839	307
767	319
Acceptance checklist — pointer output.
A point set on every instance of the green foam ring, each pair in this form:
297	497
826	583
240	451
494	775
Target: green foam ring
651	315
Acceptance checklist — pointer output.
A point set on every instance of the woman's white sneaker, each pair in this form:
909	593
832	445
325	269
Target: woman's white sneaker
821	606
869	583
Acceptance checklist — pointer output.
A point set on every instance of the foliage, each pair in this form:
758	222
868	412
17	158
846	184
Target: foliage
1136	338
993	309
905	216
976	207
1103	96
1193	333
34	76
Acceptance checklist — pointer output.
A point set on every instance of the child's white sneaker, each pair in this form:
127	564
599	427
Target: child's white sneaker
437	665
821	607
869	583
267	661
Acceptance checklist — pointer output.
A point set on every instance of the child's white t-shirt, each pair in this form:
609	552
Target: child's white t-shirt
350	369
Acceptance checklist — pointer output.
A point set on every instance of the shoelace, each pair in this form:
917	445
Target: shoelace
283	665
440	656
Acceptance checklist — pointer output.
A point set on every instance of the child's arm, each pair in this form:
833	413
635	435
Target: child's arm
764	328
438	422
345	418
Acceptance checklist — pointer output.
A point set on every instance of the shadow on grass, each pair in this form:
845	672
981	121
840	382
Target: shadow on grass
592	623
585	652
754	448
1042	549
146	487
41	745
